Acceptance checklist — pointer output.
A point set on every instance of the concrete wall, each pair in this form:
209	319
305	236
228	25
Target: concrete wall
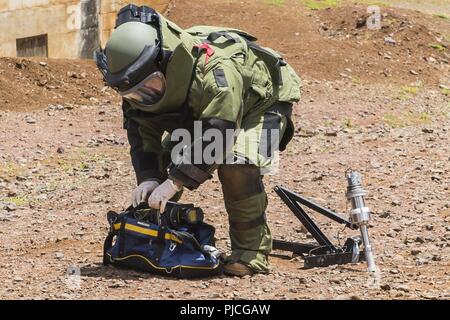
74	27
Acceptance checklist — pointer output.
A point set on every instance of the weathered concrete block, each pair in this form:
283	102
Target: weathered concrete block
74	28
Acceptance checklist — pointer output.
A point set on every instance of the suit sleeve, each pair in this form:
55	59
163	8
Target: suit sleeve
145	146
220	111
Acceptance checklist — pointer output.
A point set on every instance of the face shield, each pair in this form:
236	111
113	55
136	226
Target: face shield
147	92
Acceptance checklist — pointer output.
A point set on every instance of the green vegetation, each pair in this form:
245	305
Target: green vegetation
64	165
329	123
355	79
383	4
445	92
81	160
320	4
84	166
441	15
12	169
406	119
17	201
277	3
410	89
406	92
348	123
446	113
437	46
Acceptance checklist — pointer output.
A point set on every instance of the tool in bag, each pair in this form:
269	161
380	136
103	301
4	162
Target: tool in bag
175	243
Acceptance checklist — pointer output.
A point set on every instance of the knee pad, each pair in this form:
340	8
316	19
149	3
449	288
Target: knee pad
240	181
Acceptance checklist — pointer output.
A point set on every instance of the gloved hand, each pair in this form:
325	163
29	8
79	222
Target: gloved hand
143	191
163	193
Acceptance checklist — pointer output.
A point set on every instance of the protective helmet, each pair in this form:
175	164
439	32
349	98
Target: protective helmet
133	61
127	43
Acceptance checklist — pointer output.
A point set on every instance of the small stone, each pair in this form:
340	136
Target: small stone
7	216
302	280
335	281
18	279
30	120
436	258
394	271
385	287
59	255
391	234
430	295
390	41
342	297
444	87
402	287
413	72
435	178
427	130
43	63
375	164
385	214
415	252
420	240
361	22
60	150
12	193
115	285
10	207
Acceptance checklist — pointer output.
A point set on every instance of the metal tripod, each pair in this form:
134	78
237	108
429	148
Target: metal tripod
324	253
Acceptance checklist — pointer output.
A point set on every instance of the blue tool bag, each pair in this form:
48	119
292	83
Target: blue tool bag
176	243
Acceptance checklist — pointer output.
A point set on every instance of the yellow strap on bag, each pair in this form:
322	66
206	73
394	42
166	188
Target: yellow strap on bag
148	232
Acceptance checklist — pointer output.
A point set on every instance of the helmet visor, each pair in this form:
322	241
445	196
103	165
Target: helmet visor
147	92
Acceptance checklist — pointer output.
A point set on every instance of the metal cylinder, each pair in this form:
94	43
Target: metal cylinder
360	214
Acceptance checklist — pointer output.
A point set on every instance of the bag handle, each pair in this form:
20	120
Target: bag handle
112	217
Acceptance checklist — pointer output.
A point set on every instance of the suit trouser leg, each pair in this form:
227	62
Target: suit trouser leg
246	202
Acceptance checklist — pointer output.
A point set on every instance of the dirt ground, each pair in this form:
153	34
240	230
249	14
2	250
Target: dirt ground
377	101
